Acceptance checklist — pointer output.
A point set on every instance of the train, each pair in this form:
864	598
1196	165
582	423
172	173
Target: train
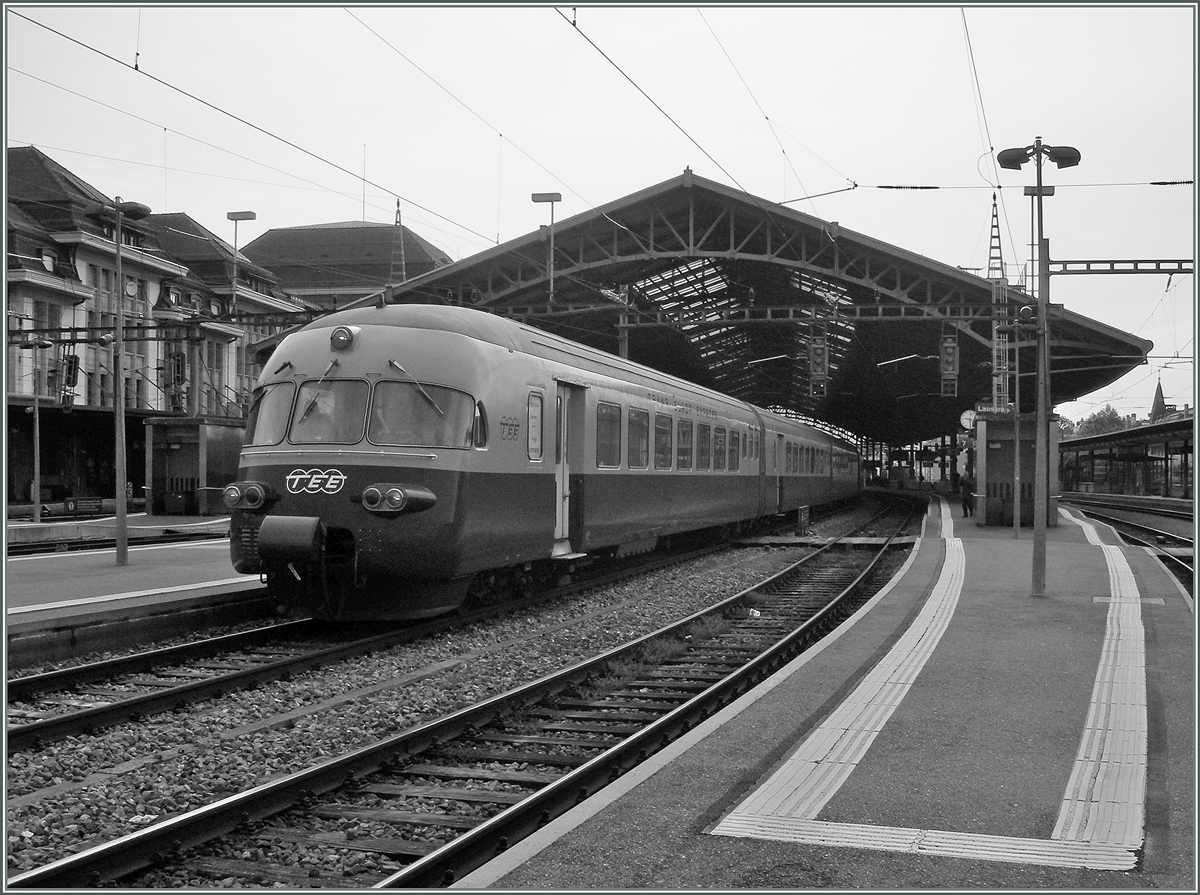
401	460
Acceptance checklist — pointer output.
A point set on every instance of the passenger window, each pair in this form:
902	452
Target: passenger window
683	441
719	447
535	426
663	441
734	456
703	445
608	435
639	439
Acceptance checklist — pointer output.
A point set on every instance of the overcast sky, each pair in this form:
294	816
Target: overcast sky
312	114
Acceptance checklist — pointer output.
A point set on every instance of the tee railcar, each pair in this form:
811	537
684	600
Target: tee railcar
397	456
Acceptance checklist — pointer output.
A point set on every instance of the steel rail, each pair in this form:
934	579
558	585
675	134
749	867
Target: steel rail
153	845
33	734
475	847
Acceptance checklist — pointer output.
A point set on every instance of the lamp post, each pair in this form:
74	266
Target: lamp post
1063	157
134	211
36	345
236	216
551	198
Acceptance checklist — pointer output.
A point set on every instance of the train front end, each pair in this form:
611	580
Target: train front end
348	485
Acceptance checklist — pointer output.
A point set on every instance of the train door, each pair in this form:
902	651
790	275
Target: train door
568	434
778	456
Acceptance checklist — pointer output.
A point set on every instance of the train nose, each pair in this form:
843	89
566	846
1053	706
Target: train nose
291	538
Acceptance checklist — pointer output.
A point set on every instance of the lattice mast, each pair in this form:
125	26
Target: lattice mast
398	237
999	283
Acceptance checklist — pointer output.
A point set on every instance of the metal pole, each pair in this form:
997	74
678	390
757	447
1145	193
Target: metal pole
119	405
37	445
1041	448
1017	435
233	291
552	253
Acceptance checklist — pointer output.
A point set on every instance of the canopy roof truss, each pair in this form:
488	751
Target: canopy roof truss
726	289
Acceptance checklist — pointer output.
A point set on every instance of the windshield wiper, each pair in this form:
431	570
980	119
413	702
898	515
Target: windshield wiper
418	385
316	392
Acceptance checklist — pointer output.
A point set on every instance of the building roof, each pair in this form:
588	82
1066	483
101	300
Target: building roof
208	256
60	201
729	290
346	258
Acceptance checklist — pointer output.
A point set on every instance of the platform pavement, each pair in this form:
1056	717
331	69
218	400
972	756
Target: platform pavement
957	733
82	584
136	524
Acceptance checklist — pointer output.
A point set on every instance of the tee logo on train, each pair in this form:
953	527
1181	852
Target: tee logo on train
315	481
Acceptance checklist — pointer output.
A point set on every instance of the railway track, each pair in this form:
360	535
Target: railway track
85	699
1175	550
435	801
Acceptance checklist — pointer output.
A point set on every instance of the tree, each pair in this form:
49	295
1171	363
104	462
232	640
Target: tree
1101	422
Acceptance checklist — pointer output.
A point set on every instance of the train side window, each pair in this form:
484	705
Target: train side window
703	445
734	456
683	441
639	438
534	409
608	435
745	443
664	446
479	431
719	449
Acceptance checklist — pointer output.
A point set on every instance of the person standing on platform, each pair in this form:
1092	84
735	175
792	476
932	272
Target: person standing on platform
967	484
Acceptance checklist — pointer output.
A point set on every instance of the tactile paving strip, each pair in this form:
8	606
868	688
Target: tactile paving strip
1100	824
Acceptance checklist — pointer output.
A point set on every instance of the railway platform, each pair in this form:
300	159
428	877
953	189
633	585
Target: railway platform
61	605
957	733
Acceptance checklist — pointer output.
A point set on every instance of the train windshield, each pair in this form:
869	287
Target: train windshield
417	414
329	410
269	414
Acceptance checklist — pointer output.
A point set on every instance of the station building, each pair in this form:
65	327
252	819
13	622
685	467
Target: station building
180	362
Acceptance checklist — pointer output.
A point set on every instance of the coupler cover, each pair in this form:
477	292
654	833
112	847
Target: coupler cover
291	538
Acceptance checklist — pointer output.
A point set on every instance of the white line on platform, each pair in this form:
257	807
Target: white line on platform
107	598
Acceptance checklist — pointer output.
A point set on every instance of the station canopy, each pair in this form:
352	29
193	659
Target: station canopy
728	290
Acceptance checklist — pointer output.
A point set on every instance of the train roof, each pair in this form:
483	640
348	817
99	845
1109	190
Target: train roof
507	333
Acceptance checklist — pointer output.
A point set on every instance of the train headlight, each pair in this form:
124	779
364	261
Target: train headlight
246	495
254	496
393	498
343	337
